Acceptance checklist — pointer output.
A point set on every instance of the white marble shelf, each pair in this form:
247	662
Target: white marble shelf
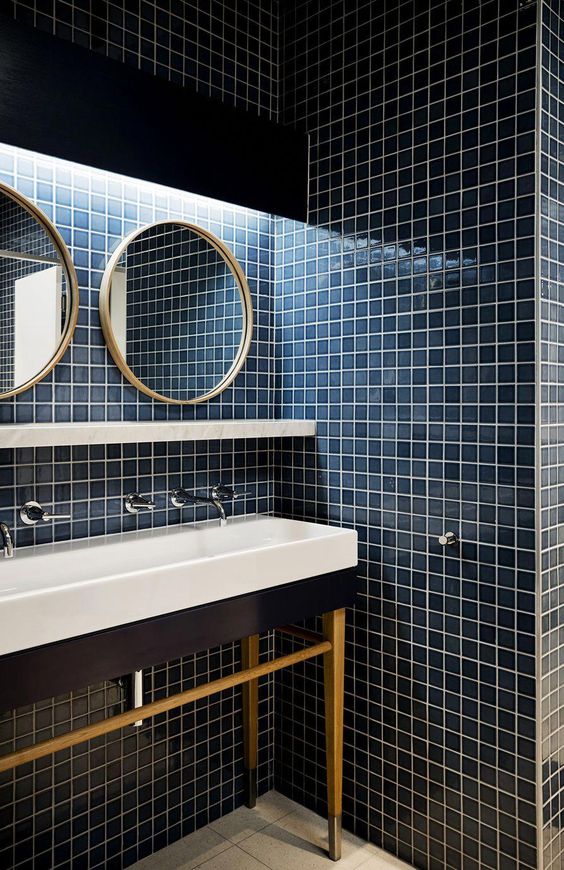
68	434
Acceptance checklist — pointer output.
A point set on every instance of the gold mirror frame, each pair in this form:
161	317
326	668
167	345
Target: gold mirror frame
72	283
244	292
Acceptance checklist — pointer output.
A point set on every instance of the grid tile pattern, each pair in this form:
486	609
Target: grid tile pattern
404	324
228	51
184	312
7	325
406	328
551	196
21	233
116	799
94	210
108	804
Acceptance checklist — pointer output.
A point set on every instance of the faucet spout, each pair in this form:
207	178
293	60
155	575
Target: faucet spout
7	540
180	497
220	510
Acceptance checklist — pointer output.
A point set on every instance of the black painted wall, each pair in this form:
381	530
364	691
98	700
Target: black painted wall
225	51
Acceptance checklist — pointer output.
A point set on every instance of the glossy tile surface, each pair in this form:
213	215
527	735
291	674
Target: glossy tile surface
405	324
109	805
552	433
155	784
406	328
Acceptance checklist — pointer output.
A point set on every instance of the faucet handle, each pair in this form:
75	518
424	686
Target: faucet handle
179	497
223	493
31	513
134	503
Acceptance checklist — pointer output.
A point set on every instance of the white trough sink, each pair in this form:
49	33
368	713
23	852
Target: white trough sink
57	591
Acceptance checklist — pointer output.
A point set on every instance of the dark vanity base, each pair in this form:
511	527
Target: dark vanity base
53	669
59	667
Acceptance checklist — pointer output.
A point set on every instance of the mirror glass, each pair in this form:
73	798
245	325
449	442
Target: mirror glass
38	296
175	310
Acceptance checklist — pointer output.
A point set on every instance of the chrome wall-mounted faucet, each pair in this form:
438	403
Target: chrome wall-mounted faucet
180	497
217	495
7	540
31	513
135	503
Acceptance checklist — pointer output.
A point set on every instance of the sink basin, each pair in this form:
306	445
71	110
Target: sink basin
57	591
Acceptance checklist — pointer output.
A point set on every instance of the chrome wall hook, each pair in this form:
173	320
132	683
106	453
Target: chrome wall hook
449	539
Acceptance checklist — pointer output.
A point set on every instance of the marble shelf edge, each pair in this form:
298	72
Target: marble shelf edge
14	435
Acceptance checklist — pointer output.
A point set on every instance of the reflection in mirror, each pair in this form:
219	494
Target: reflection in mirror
175	310
37	308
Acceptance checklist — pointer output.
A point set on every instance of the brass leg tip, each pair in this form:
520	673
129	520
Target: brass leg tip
334	837
250	787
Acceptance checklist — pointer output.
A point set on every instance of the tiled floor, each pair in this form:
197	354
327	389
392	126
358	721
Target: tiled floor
278	834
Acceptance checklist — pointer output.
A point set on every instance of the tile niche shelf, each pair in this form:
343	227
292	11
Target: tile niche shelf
14	435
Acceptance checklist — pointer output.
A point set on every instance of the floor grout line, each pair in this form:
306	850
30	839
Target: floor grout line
269	866
231	847
311	843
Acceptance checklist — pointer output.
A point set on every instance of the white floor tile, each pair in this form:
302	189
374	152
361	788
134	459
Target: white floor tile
380	860
279	834
232	859
240	824
280	849
188	853
307	825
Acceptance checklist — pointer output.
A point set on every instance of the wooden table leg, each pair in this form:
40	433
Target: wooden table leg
250	658
334	679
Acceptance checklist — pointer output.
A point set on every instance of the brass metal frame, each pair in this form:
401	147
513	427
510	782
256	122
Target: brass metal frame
114	723
72	285
250	659
244	291
330	645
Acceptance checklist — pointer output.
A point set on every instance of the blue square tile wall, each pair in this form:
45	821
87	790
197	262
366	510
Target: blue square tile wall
406	327
113	801
185	354
93	211
552	440
409	321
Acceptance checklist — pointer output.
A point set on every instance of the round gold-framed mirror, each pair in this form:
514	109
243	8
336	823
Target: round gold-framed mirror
38	294
176	312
